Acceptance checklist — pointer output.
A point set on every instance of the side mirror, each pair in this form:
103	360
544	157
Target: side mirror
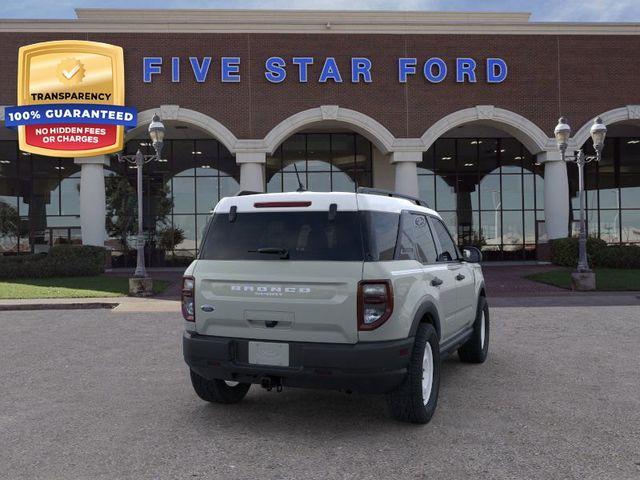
444	257
471	254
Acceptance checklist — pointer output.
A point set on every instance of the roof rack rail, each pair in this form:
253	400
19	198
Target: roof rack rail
242	193
389	193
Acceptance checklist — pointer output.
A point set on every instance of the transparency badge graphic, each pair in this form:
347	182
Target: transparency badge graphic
70	99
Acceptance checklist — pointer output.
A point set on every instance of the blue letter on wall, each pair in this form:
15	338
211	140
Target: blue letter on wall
175	69
360	67
465	67
330	71
428	70
151	66
275	69
303	64
200	71
406	66
230	70
496	70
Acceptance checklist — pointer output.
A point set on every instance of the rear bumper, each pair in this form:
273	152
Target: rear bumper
375	367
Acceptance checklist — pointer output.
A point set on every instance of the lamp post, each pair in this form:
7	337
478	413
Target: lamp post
562	133
156	133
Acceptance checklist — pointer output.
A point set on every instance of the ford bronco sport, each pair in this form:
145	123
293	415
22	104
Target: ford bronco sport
351	291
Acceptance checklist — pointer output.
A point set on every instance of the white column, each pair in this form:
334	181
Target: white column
251	170
406	167
93	209
556	195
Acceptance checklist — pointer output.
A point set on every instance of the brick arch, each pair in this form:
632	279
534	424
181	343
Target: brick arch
192	117
622	114
527	132
374	131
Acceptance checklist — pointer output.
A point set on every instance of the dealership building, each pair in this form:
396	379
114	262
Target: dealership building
458	109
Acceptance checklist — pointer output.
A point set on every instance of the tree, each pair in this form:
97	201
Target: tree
122	208
9	221
169	237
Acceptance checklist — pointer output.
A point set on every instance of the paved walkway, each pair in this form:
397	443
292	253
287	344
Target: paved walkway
506	287
509	281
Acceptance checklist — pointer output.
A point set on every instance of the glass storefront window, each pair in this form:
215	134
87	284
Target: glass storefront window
498	194
511	155
426	187
206	194
512	192
630	189
610	226
630	224
490	194
489	189
70	195
612	191
325	162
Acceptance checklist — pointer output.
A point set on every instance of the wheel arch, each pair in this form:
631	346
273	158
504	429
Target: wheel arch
426	313
482	292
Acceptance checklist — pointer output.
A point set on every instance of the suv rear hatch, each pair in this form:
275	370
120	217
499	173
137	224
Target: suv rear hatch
277	269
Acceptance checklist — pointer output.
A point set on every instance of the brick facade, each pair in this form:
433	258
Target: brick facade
575	75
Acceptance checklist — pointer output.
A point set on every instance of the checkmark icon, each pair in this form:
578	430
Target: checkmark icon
71	73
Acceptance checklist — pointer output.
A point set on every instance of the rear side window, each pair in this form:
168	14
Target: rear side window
449	250
303	235
380	232
415	240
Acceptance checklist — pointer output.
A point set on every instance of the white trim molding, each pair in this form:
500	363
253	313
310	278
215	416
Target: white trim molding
195	21
531	136
622	114
200	120
374	131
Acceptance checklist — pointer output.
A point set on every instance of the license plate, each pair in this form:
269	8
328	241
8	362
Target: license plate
268	353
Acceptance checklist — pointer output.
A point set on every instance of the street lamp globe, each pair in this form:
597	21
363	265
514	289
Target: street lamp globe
156	132
562	133
598	132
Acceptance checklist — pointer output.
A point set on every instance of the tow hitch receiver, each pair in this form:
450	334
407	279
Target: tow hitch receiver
269	383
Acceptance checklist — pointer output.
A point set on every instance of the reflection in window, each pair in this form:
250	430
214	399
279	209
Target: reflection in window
193	175
325	162
488	190
612	191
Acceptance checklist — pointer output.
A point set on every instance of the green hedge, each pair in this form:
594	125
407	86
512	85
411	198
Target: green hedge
564	252
61	261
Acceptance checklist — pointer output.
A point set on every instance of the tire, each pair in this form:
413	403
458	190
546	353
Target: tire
415	400
475	350
218	391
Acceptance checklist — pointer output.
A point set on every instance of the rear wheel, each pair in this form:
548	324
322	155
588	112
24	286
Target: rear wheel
416	399
218	391
475	350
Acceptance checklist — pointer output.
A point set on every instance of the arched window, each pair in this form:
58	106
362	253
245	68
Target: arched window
325	162
488	190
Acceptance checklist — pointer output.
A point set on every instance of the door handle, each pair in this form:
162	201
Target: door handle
436	282
459	277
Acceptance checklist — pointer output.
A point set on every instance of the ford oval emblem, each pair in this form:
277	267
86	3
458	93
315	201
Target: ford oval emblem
207	308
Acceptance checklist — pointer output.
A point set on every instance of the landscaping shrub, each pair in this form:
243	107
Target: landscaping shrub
618	256
61	261
564	252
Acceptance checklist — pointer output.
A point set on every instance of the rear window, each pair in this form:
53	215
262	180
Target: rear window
303	235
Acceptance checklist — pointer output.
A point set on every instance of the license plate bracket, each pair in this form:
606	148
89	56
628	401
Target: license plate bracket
269	353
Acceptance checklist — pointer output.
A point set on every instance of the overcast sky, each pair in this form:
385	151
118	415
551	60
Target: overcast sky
542	10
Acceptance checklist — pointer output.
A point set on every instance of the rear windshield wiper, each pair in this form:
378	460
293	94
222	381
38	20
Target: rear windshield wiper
283	252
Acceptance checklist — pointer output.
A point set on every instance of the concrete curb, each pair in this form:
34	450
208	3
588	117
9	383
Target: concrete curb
57	306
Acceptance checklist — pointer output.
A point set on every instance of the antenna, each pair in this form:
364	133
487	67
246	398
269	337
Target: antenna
300	186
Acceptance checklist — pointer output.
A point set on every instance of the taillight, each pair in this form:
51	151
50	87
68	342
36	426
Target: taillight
188	294
375	303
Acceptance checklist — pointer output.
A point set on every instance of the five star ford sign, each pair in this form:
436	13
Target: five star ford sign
71	99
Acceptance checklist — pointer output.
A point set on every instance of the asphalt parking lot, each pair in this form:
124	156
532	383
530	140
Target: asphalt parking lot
103	395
